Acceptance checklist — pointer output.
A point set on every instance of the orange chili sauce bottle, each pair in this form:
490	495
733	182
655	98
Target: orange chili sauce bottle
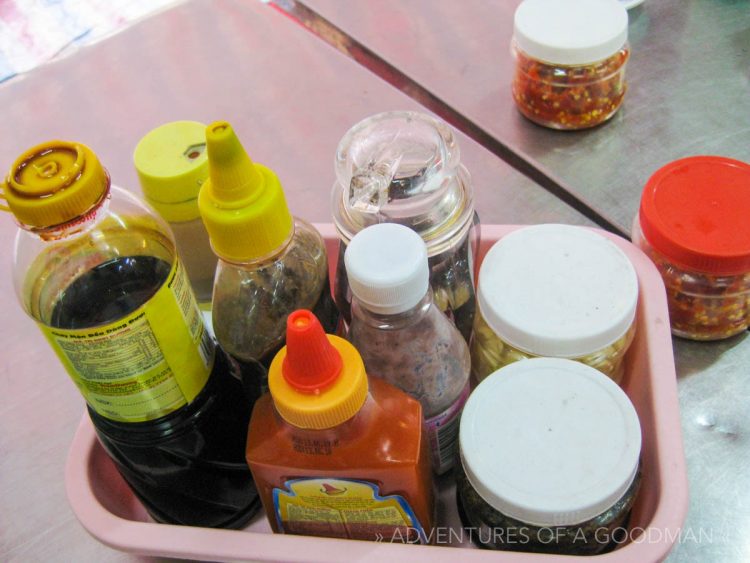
333	456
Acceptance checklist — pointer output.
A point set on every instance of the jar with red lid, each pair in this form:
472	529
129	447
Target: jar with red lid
693	224
570	58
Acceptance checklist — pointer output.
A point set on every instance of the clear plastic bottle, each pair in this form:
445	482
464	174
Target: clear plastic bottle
693	224
554	290
402	335
98	272
550	459
270	263
404	167
570	58
333	454
172	165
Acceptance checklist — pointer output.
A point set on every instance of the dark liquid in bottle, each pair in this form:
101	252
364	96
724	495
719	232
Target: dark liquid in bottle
187	467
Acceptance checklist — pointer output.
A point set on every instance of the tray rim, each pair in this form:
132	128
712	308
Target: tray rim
147	538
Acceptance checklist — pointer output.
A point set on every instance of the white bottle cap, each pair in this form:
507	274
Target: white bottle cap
557	290
387	268
570	32
550	442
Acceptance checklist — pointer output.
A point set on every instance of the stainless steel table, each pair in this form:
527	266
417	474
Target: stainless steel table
290	97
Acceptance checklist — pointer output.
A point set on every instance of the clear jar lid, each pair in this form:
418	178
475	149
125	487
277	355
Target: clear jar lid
550	442
557	290
402	167
570	32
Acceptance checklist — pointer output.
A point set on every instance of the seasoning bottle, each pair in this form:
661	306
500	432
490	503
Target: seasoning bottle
570	58
172	165
333	456
404	167
693	224
98	272
550	459
554	290
401	334
270	263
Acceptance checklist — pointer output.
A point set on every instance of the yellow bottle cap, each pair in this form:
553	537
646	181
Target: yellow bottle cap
242	203
317	380
172	164
54	183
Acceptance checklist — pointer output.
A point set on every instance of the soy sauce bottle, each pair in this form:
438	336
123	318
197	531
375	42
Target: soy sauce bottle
98	272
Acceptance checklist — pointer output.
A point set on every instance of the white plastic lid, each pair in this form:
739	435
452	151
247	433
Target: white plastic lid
557	290
387	268
550	442
570	32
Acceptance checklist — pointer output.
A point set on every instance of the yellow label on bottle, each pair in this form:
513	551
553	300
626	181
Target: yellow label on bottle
344	508
145	365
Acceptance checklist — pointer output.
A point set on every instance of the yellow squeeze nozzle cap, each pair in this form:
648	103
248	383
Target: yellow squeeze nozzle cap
172	165
53	183
242	203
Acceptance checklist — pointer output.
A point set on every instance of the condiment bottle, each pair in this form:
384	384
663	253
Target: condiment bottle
98	272
554	290
401	334
270	263
693	224
404	167
570	58
172	165
332	455
550	457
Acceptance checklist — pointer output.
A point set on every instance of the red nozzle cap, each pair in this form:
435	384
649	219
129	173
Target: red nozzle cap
311	363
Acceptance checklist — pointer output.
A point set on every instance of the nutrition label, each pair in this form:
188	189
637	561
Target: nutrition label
146	364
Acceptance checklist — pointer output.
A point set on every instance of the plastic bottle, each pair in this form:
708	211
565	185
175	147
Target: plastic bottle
99	274
172	165
402	335
332	456
270	263
405	167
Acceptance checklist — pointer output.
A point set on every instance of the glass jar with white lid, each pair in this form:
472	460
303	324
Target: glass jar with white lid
570	58
557	291
550	459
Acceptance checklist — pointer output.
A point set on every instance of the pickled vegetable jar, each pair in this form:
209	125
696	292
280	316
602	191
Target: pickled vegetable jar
554	290
693	224
550	459
570	61
404	167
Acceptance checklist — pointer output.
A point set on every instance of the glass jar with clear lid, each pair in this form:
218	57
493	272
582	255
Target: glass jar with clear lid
570	58
550	459
693	224
404	167
558	291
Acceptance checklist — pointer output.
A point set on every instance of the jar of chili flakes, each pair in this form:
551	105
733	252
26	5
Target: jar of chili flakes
570	61
693	224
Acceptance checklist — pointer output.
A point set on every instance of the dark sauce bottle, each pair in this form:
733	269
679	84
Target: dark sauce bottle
98	272
187	467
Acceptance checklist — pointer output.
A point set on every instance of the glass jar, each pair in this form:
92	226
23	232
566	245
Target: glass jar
693	224
550	459
554	290
570	58
404	167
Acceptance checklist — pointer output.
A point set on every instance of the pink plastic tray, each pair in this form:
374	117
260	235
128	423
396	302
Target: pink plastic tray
109	511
